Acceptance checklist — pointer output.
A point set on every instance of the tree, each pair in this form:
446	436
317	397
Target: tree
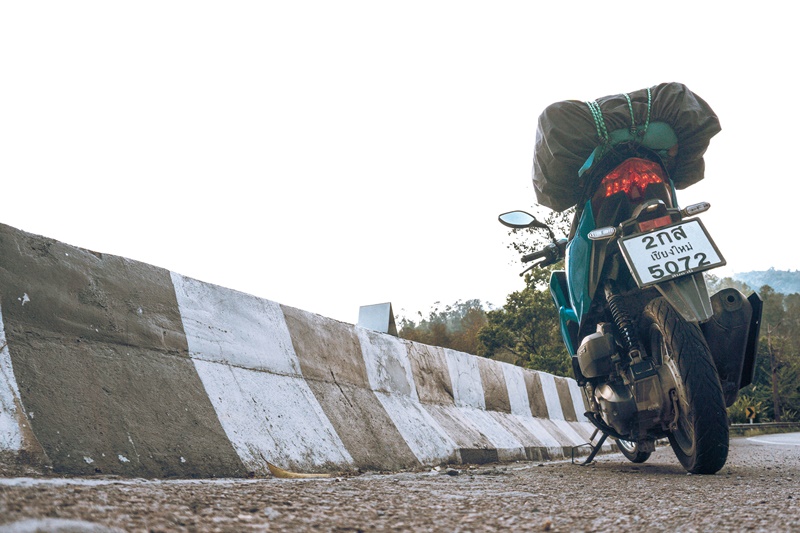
456	326
525	331
716	284
776	384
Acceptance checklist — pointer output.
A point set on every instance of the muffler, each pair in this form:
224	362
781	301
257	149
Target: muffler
732	334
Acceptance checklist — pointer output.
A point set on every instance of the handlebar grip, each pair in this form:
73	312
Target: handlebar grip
550	253
535	255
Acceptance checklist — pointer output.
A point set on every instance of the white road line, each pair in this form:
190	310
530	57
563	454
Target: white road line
775	442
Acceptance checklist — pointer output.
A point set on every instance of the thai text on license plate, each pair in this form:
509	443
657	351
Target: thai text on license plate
670	252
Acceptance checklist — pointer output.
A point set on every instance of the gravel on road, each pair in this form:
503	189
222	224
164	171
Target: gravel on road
757	490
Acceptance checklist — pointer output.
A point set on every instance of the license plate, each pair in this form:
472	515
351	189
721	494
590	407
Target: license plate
670	252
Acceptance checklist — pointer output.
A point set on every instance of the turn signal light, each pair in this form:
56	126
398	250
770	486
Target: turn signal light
600	234
632	177
696	209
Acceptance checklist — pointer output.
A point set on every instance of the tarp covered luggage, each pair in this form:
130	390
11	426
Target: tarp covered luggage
568	133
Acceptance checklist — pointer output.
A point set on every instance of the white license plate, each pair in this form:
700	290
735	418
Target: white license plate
669	252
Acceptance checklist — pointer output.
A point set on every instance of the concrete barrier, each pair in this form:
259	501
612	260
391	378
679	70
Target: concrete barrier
118	367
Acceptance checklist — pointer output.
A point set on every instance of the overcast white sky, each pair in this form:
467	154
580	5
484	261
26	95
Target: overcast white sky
328	155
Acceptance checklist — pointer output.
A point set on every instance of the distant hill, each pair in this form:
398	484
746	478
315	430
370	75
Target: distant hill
783	281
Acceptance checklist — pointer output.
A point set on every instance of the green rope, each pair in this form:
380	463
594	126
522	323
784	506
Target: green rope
649	105
633	118
599	123
630	110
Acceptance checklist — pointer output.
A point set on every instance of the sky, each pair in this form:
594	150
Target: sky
330	155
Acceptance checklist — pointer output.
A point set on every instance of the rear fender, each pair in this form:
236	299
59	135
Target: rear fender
688	295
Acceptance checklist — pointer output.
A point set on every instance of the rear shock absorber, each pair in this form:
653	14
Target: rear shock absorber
623	322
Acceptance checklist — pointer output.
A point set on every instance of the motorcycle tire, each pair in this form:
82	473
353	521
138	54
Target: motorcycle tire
699	437
631	451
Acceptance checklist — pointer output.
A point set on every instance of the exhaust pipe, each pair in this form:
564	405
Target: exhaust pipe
732	334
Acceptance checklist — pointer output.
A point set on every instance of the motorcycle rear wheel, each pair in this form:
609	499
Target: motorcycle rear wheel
631	451
699	438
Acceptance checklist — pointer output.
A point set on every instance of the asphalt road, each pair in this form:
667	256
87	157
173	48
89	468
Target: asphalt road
758	490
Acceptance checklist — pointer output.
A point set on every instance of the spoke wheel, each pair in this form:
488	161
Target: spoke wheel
696	407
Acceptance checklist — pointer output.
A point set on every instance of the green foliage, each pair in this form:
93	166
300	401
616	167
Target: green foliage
716	284
525	331
737	414
778	356
776	384
456	326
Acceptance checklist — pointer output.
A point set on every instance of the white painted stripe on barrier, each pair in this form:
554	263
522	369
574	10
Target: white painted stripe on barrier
429	442
509	448
388	366
523	432
522	411
458	427
465	376
517	391
569	431
391	378
269	417
535	426
10	435
227	326
584	429
551	398
577	399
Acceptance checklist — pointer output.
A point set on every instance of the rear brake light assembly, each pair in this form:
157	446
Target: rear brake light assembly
632	177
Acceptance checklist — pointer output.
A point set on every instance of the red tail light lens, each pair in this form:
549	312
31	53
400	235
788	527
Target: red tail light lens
659	222
632	177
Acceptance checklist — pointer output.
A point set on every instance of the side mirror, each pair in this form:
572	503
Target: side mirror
519	220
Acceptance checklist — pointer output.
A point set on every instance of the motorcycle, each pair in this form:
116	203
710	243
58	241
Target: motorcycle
655	355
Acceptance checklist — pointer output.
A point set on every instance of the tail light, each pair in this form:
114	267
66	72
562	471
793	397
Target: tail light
632	177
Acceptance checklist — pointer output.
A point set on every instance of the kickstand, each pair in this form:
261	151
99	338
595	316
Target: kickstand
595	448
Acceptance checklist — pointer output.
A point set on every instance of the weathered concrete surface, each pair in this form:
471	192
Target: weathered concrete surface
101	365
113	366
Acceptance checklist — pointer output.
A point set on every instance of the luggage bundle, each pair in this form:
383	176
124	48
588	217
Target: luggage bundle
570	132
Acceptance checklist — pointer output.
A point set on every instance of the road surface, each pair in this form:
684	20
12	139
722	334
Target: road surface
757	490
